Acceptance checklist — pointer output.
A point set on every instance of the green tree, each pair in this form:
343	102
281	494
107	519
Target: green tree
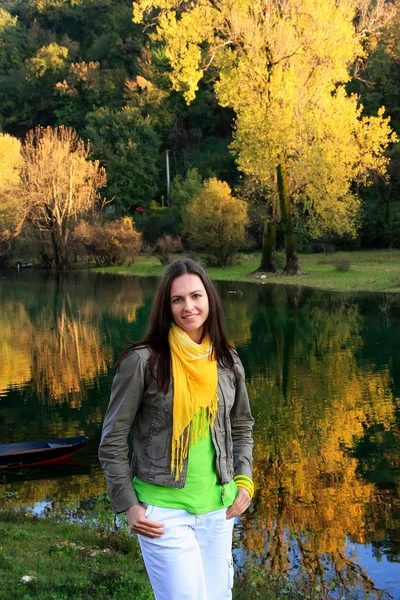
216	221
49	59
128	146
85	89
13	42
377	81
282	67
39	85
182	191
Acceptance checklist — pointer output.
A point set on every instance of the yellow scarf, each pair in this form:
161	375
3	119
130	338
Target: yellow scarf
195	392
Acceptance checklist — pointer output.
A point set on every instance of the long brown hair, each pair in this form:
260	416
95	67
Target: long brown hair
156	336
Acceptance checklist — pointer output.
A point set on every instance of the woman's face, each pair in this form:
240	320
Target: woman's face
189	304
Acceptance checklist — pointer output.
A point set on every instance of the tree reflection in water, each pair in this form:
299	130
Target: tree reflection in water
60	347
313	400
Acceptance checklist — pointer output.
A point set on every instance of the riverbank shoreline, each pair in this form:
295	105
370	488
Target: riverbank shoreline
357	271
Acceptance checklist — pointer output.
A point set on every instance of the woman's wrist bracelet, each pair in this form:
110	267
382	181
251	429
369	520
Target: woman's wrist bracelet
246	483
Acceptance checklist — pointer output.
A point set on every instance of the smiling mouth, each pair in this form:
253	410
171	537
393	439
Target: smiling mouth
190	317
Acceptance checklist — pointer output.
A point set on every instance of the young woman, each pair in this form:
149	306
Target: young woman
181	394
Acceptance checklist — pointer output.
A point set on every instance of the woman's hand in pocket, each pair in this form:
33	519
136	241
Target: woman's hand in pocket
138	523
241	504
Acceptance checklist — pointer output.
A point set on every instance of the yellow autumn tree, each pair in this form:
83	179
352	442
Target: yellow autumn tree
59	184
215	222
10	161
10	168
282	67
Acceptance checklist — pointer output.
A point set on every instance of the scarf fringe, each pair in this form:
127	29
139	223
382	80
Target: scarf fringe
195	394
192	434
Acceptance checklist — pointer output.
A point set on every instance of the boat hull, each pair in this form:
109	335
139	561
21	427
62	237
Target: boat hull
43	452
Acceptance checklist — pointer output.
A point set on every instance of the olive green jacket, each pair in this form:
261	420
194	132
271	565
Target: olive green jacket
138	407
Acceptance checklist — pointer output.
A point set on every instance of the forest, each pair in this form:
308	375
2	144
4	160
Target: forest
216	126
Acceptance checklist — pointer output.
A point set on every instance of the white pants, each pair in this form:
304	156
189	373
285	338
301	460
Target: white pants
193	558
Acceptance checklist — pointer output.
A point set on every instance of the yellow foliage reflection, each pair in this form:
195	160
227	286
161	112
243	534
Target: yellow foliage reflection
28	493
312	399
68	357
120	301
15	356
60	349
238	319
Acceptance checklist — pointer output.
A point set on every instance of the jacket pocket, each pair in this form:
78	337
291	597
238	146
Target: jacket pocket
158	441
227	390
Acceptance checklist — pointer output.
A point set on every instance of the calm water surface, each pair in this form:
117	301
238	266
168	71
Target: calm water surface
324	381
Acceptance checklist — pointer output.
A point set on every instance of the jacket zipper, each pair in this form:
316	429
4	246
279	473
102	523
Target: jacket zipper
225	426
216	444
185	466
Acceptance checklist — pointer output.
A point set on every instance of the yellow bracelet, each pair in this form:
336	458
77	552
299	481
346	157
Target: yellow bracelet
246	483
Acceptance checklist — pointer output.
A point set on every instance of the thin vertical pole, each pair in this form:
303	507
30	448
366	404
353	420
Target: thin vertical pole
168	176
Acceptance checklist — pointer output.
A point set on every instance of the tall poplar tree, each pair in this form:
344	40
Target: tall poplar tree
282	66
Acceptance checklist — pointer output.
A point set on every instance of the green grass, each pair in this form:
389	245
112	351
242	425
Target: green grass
370	271
68	562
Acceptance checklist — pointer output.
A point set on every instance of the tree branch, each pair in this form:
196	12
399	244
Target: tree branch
287	56
227	43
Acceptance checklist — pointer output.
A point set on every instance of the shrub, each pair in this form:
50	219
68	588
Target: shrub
110	243
6	256
342	264
155	221
166	246
35	246
216	221
46	255
326	248
395	281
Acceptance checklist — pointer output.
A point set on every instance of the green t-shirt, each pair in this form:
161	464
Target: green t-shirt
202	493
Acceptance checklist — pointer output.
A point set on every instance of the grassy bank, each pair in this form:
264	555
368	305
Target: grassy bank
67	562
368	271
64	561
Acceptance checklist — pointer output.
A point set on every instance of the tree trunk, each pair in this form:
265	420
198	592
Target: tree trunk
292	266
268	262
63	253
386	196
60	250
56	249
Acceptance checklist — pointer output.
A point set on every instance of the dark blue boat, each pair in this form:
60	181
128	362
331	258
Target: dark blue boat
32	454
